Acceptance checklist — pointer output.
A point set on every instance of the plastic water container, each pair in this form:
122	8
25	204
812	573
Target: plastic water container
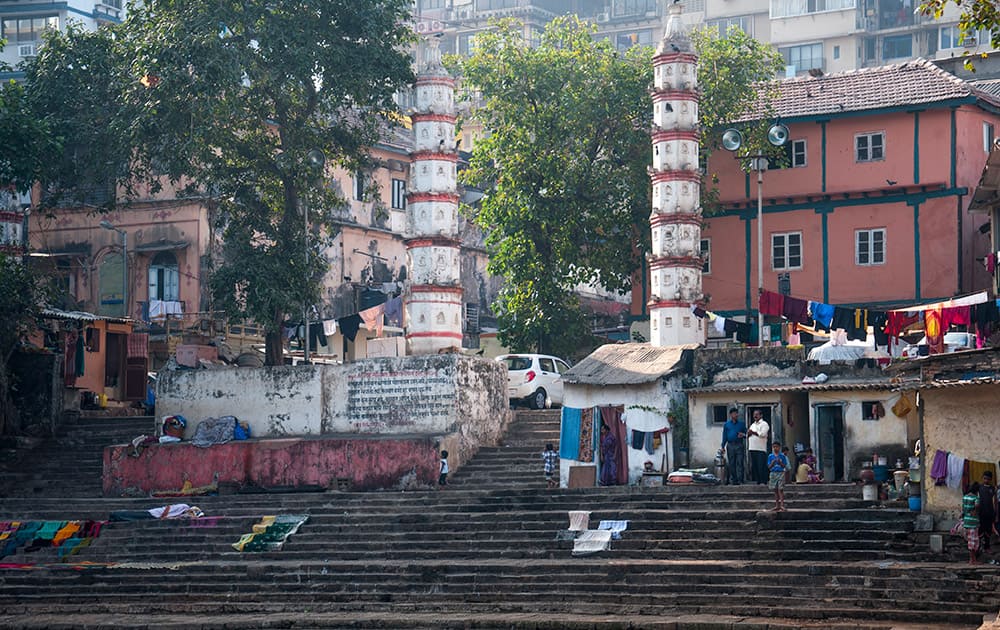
899	478
881	473
914	504
869	492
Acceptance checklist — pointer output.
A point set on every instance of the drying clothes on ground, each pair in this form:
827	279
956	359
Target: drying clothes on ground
579	520
771	303
587	437
349	326
939	467
271	533
394	311
329	327
821	313
569	433
66	532
796	310
177	510
615	527
592	541
214	431
956	464
373	317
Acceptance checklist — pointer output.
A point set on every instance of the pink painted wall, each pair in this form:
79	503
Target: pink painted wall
947	232
369	463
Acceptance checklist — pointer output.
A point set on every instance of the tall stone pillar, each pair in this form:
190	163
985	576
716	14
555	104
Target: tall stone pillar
675	261
433	296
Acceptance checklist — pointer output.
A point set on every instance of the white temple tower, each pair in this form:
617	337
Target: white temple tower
433	296
675	262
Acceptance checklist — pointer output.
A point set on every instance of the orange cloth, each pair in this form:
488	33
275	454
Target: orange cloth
68	531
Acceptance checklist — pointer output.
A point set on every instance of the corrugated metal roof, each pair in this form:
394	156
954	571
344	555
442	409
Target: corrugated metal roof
987	193
774	385
627	364
989	380
54	313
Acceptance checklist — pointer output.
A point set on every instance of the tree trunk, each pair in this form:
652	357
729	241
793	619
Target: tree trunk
274	349
8	414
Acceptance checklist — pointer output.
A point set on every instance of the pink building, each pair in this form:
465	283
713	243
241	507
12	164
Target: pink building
872	208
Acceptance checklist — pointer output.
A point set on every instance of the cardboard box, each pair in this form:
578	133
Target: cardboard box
188	355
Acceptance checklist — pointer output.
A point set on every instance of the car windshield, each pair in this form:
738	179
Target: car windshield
518	363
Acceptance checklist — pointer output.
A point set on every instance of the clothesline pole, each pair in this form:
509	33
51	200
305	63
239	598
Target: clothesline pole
305	301
760	164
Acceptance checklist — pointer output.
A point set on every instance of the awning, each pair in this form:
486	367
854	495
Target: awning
162	245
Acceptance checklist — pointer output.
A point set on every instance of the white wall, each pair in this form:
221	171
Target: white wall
435	394
656	395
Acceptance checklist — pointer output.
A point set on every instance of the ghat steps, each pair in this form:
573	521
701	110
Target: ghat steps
483	553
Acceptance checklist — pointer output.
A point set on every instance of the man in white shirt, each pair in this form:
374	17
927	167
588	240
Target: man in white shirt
757	445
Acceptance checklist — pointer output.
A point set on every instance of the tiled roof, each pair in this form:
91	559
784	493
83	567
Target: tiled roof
627	364
911	83
990	86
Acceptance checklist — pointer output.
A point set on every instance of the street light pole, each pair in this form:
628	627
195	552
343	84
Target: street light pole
316	160
732	140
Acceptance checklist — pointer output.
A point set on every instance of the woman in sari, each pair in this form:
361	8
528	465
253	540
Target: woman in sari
609	457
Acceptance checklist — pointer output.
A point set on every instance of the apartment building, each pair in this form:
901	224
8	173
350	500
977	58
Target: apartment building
828	35
22	23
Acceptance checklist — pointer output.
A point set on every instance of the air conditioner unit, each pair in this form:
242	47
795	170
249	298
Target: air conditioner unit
26	50
603	17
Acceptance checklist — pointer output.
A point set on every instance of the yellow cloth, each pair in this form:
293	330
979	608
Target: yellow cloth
976	470
902	407
244	539
802	474
264	523
12	528
66	532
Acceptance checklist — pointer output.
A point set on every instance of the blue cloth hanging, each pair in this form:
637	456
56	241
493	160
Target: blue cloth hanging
569	433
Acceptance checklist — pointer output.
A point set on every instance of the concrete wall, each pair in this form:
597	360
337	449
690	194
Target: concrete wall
367	464
960	420
436	394
656	395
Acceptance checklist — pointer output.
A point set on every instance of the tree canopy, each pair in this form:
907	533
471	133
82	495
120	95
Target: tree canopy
243	104
564	163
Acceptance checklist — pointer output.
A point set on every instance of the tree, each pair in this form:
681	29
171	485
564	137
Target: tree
27	140
564	168
244	104
24	292
976	15
564	162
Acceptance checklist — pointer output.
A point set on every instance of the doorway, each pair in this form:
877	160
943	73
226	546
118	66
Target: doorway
830	441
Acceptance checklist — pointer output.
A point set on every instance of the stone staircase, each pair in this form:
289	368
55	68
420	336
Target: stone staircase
483	553
70	463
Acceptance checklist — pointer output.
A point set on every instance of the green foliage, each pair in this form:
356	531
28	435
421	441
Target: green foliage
74	87
976	15
229	97
26	139
564	169
735	74
24	292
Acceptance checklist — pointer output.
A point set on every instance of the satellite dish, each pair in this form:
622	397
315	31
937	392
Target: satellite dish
732	140
777	134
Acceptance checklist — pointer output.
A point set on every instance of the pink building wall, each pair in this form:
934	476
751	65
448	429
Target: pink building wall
933	159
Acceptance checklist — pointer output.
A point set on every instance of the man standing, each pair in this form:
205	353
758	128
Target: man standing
733	432
757	445
987	510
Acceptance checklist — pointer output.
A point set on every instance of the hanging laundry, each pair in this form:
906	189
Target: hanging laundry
956	465
795	310
70	352
648	442
934	331
373	318
878	320
991	263
316	336
720	325
394	311
569	433
939	468
899	321
843	318
586	446
822	314
329	327
638	439
349	326
771	303
699	312
955	315
744	332
985	316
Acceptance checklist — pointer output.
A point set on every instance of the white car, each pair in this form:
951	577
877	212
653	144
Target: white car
535	379
953	342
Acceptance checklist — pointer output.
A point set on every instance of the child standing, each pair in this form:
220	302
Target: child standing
443	478
777	464
550	460
970	520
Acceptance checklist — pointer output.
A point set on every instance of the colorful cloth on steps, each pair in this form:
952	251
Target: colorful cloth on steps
271	532
615	527
66	532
